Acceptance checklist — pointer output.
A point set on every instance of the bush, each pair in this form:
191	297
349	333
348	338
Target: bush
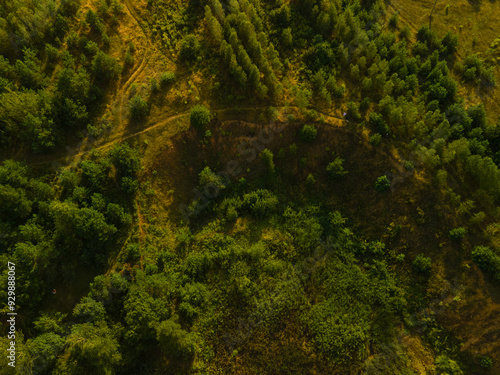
422	264
335	169
310	180
378	123
166	79
353	112
231	214
174	341
138	108
105	68
445	365
457	234
375	139
308	133
190	48
486	362
200	116
382	184
393	21
267	157
487	260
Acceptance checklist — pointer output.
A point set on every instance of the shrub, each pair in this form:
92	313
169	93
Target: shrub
445	365
422	264
190	48
267	157
209	178
457	234
308	133
310	180
393	21
353	112
409	166
105	68
405	33
335	169
486	362
260	202
138	108
375	139
231	214
378	123
382	184
200	116
166	79
487	260
174	341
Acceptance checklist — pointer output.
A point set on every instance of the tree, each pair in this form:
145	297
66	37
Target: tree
457	234
336	169
209	178
378	123
487	260
267	157
353	112
138	108
422	264
445	365
199	116
44	350
91	349
189	48
382	184
105	67
213	26
174	341
117	215
89	310
449	44
126	159
308	133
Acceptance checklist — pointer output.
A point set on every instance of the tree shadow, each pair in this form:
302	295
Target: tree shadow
476	4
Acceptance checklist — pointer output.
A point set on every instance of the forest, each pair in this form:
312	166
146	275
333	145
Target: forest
250	187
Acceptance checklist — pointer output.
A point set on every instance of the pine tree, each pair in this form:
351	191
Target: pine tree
214	26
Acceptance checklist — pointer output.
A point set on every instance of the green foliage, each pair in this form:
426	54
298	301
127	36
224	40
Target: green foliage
174	341
166	79
125	159
393	21
303	228
105	67
378	123
199	116
90	349
422	264
353	112
445	365
267	157
308	133
375	139
382	183
486	362
487	260
138	108
473	69
457	234
189	48
209	178
44	350
336	169
89	310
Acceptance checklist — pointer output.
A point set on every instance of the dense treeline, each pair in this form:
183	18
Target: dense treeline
251	265
48	91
